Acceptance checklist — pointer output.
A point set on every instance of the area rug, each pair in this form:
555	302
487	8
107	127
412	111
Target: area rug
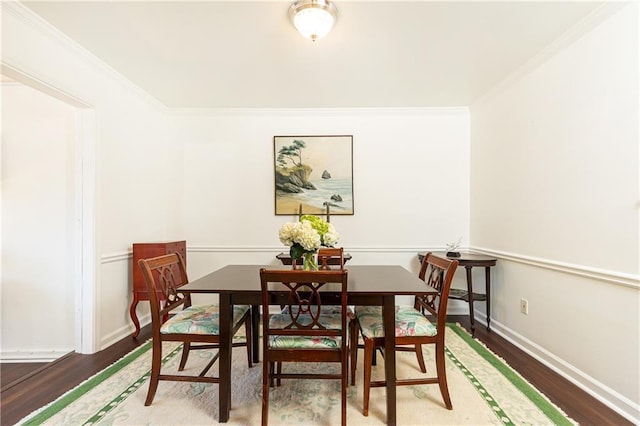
484	391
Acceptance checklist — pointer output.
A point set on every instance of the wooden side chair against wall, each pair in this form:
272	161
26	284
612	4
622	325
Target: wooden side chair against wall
301	332
413	329
329	257
191	324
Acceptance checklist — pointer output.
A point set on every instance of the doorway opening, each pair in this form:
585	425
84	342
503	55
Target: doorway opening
48	226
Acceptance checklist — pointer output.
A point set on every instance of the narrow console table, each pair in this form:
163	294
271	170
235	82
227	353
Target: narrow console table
469	261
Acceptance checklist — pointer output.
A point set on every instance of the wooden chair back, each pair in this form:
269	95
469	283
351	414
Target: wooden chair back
436	272
164	275
299	293
330	256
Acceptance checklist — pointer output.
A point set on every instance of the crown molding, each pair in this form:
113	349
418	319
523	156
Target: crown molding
22	79
34	21
331	112
588	23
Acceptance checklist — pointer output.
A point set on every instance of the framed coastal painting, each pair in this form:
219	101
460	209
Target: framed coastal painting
313	174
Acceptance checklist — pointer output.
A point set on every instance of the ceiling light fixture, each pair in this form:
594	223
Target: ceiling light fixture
313	18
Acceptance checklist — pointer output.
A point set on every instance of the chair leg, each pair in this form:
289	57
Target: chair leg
249	339
156	363
354	329
267	369
344	386
420	356
442	375
186	347
368	358
279	368
271	370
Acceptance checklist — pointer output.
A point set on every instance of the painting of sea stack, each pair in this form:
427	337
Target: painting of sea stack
313	175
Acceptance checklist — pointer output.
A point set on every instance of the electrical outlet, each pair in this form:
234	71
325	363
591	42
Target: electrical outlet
524	306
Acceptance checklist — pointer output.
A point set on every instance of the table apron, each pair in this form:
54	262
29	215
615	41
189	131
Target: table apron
252	298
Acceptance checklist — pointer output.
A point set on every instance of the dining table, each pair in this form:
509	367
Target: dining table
375	285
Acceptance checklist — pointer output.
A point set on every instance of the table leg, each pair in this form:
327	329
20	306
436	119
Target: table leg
255	328
487	282
389	313
134	315
225	357
470	291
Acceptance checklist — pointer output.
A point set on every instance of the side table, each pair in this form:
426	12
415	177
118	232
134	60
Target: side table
469	261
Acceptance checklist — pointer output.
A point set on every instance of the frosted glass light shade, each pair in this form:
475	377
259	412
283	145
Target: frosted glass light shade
313	18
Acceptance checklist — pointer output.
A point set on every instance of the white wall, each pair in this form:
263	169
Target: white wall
555	195
38	212
410	171
551	183
135	192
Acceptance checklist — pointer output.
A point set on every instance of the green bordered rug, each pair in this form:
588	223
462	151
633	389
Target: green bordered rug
484	391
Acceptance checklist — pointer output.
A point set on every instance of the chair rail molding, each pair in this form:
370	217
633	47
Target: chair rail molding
613	277
127	255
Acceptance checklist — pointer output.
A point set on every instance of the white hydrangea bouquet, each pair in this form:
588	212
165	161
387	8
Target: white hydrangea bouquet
305	238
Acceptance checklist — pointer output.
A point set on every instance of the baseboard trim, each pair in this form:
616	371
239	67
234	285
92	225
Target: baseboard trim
32	356
612	399
123	332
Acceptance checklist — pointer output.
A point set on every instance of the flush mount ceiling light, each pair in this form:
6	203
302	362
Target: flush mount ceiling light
313	18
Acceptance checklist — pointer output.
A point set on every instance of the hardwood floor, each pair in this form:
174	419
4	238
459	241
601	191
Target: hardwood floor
19	397
22	397
16	371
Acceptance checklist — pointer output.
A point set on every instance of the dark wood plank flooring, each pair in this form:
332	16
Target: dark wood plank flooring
39	386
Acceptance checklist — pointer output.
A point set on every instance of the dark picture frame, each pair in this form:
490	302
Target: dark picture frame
313	174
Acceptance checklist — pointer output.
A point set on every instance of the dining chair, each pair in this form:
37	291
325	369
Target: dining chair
413	328
330	258
177	321
302	332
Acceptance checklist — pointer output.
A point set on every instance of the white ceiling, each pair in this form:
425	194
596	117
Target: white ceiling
243	54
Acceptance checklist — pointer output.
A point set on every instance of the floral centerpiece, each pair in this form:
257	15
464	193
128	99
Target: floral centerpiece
305	238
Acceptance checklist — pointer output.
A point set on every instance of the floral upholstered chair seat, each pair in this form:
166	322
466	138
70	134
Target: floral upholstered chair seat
204	319
328	321
409	322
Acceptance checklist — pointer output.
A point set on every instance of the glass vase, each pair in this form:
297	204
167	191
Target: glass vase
309	261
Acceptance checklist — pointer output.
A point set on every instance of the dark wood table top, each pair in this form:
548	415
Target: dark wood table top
465	259
363	279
